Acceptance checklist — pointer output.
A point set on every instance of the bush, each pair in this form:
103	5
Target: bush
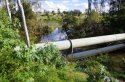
46	30
66	74
72	23
24	65
33	24
96	69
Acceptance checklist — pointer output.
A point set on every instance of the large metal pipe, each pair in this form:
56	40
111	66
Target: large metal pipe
96	51
62	45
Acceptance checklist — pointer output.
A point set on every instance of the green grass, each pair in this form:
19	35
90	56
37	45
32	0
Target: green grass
117	66
64	75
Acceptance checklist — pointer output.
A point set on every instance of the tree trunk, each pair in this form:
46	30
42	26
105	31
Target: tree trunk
89	6
24	22
8	9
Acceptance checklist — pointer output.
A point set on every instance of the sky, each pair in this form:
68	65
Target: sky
63	5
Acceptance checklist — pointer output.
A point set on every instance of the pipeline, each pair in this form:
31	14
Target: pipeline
62	45
95	51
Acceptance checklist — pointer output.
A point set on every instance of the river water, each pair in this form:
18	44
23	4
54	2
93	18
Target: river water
57	35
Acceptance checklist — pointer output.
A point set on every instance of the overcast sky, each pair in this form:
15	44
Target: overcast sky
63	5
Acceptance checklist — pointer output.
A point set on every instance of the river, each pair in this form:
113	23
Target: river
57	35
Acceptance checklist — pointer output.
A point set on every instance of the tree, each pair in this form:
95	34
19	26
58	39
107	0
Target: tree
53	12
98	5
33	24
8	9
92	24
58	11
117	16
89	6
76	12
24	22
70	26
114	6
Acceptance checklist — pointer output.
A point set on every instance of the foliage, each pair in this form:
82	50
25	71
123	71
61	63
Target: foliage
24	65
28	10
74	12
34	30
46	30
94	17
58	11
117	16
96	71
123	60
103	59
7	35
32	23
71	23
96	68
67	74
47	64
50	56
93	25
53	12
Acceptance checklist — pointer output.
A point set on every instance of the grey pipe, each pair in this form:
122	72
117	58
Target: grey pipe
62	45
96	51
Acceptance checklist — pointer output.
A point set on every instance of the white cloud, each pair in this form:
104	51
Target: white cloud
85	5
81	6
65	2
62	5
75	0
49	5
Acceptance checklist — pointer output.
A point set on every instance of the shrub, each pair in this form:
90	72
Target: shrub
66	74
96	71
46	30
24	65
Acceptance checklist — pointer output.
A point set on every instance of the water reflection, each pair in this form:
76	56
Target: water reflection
57	35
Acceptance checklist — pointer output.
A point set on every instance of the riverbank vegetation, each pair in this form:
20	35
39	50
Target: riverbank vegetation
48	64
81	24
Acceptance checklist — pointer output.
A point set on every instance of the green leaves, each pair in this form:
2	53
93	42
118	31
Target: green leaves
24	65
96	71
51	56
